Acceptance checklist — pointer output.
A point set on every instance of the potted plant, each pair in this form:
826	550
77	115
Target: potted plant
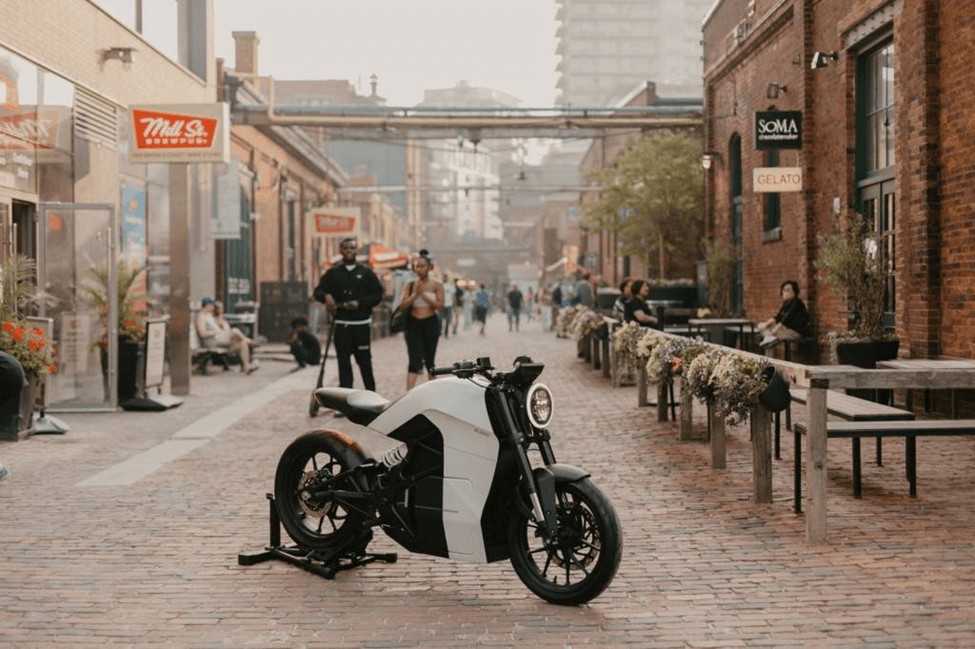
32	348
130	325
847	265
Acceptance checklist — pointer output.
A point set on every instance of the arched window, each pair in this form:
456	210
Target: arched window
734	165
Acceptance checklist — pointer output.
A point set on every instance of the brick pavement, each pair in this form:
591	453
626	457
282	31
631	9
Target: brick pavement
153	563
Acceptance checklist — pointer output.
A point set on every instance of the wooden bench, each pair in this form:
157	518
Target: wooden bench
201	356
850	409
910	430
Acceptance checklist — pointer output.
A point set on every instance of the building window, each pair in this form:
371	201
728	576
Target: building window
737	211
875	118
875	161
773	201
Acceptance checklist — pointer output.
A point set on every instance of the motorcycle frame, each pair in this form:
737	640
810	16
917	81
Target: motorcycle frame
376	502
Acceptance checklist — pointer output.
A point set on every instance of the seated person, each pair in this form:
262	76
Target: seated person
636	309
619	306
791	322
214	331
304	346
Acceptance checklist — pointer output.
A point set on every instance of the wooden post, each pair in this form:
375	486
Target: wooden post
717	438
663	400
594	351
641	386
605	344
761	454
816	464
686	409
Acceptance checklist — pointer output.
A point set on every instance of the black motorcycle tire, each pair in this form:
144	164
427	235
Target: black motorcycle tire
592	546
337	527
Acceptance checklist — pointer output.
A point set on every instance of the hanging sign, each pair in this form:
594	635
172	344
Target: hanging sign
334	221
777	179
180	133
778	129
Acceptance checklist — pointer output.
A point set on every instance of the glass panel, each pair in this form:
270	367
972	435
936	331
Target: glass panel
158	237
20	132
55	166
122	10
5	242
77	241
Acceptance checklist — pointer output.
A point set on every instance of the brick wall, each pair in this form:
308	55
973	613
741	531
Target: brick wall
935	124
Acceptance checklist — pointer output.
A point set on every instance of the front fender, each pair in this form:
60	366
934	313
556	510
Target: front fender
564	472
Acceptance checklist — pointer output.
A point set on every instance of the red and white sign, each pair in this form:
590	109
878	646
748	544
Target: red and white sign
335	221
29	130
180	133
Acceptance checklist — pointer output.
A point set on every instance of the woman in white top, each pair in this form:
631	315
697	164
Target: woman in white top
424	298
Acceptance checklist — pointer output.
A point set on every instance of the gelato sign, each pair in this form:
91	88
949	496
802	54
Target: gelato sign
776	179
778	129
180	133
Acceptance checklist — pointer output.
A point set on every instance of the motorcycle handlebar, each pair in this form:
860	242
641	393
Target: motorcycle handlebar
465	368
440	371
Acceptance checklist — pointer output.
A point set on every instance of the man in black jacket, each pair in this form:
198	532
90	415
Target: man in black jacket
350	291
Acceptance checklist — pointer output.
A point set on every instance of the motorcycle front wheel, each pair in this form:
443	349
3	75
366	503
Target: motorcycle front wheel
322	523
584	561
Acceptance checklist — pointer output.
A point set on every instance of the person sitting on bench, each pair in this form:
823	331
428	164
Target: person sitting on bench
792	320
214	331
304	346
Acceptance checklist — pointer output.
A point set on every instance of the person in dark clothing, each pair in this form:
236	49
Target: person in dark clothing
556	306
349	291
12	382
636	309
792	320
514	307
304	346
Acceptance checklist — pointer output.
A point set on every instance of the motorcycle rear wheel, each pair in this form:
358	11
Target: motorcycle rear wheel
584	561
313	457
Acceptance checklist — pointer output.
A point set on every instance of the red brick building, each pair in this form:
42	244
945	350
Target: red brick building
888	110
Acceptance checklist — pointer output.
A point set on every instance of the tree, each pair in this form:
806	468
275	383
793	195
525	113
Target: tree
652	198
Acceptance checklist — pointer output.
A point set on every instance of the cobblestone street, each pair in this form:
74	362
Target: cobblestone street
125	532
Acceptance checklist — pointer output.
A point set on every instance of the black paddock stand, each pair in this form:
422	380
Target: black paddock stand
323	564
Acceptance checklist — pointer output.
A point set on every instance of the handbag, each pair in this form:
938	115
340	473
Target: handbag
397	322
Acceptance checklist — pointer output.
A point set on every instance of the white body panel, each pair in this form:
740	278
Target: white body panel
456	407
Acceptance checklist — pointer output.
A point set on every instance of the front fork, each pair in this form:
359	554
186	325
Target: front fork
539	482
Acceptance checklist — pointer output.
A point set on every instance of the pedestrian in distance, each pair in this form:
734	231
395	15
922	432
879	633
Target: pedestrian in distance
423	299
515	298
350	291
468	309
791	322
459	304
214	331
482	302
304	346
447	315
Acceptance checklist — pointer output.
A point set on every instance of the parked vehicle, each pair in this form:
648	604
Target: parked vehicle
473	479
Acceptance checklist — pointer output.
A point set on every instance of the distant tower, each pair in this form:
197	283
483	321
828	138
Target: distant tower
608	47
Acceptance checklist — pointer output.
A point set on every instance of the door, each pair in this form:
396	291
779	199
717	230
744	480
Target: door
79	247
879	207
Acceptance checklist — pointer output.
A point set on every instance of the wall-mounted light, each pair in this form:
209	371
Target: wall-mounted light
822	59
708	158
772	90
123	54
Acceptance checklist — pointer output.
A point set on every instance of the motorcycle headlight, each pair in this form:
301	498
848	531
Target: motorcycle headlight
540	405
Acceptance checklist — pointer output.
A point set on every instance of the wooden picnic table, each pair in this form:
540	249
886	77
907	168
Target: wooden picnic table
818	379
712	325
933	364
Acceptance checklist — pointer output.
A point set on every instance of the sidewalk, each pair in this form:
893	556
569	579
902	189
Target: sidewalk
125	532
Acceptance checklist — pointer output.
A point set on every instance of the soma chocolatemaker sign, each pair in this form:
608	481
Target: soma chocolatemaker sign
778	129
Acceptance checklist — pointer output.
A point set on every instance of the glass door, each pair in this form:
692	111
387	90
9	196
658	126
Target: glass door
79	250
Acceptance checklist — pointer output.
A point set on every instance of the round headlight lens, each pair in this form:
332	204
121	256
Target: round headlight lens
540	405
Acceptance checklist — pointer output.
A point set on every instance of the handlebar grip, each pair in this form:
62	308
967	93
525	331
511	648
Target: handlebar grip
440	371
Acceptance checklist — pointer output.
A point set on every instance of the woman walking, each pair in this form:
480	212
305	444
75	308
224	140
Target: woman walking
424	299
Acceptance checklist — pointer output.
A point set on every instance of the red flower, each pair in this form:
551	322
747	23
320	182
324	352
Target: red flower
33	345
8	326
52	369
17	334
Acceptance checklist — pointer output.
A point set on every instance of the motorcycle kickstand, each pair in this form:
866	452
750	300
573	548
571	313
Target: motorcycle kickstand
322	564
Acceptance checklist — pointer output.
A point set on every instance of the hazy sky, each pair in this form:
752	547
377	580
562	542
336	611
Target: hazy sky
506	45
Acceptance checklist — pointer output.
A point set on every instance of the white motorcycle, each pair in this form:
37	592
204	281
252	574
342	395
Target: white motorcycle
462	484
